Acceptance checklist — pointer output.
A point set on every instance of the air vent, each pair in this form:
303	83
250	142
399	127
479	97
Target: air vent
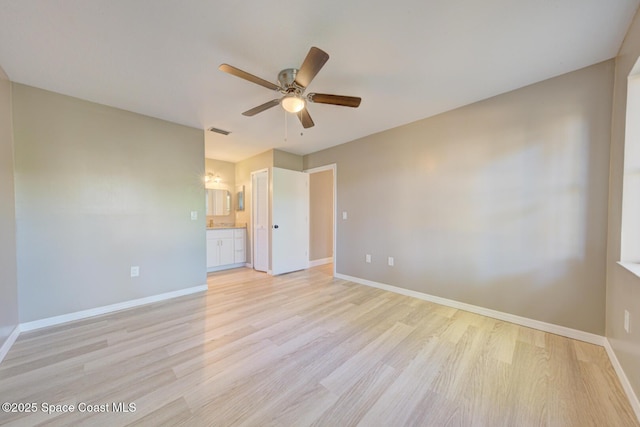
220	131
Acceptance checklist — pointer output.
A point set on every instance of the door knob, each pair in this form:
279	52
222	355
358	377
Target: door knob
275	226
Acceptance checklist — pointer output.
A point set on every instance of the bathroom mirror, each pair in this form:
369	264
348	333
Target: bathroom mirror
218	202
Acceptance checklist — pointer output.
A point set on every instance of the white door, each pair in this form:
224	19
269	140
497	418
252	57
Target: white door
290	231
260	215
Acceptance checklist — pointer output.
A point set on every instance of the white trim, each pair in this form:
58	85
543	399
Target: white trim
64	318
626	385
633	267
248	265
321	261
321	168
512	318
13	336
226	267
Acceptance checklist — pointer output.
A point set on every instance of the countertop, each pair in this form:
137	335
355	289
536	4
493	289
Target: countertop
226	226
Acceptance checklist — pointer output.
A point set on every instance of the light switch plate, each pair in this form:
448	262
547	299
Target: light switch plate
194	215
135	271
344	215
391	261
367	258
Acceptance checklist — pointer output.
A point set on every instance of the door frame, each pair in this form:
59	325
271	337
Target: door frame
334	168
254	241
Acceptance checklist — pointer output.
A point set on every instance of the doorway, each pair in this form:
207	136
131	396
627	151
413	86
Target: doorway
322	216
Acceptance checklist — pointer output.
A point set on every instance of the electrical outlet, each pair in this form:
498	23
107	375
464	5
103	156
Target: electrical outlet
135	271
390	261
367	258
627	320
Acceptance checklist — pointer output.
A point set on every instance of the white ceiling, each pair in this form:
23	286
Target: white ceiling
407	59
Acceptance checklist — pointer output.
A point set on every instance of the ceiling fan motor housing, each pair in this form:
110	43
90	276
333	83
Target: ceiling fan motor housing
287	78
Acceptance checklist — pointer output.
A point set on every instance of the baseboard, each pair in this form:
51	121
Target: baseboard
13	336
626	385
512	318
248	265
322	261
56	320
226	267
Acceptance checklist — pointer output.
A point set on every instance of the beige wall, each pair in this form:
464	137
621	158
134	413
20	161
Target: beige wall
8	278
227	173
623	287
321	215
284	160
99	190
500	204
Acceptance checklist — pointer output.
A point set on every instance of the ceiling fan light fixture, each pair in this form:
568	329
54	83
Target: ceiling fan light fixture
292	103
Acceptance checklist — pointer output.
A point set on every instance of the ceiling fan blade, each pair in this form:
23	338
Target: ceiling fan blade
345	101
314	61
305	118
230	69
261	108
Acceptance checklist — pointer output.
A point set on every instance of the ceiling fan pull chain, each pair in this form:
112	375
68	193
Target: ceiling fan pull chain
285	127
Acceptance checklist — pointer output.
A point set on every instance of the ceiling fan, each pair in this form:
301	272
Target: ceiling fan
293	83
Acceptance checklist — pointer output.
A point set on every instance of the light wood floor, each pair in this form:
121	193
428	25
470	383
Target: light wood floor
306	349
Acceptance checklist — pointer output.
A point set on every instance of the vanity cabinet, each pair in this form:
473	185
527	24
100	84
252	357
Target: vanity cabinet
220	249
239	245
225	248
